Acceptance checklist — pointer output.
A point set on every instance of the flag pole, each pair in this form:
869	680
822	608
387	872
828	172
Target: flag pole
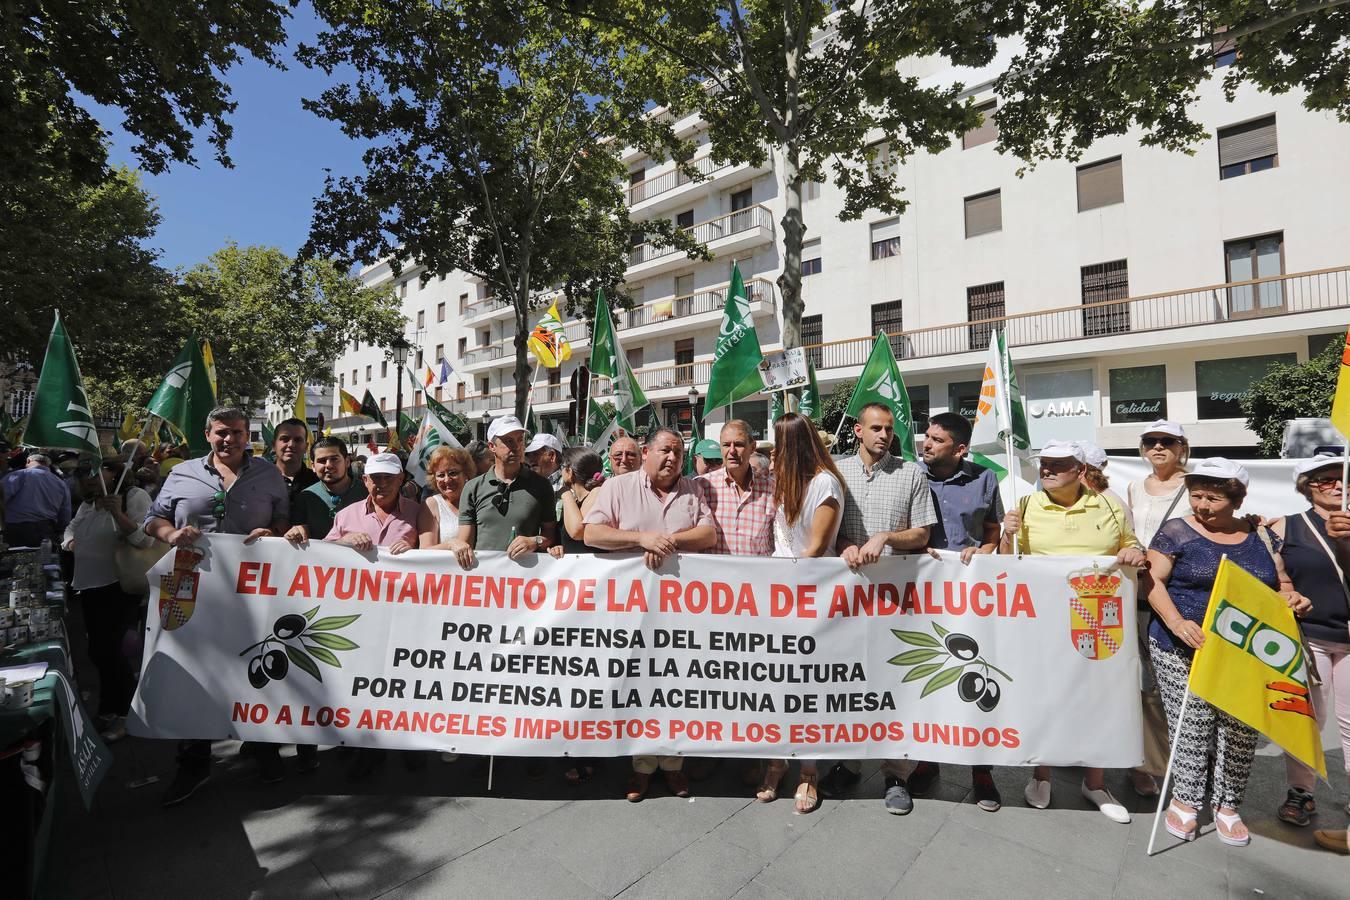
1167	776
1014	470
1345	475
126	464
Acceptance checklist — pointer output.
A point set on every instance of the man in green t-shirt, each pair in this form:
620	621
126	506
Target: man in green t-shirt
313	509
508	507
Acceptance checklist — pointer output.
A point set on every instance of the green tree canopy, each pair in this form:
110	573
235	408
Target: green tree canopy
1291	391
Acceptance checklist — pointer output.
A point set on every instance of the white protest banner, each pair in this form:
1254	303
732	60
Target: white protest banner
782	370
1006	661
1270	494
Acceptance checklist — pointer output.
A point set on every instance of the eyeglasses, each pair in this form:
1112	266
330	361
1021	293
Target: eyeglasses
1165	442
218	506
1326	481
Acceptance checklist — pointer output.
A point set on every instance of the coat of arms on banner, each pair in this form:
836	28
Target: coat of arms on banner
1096	616
178	590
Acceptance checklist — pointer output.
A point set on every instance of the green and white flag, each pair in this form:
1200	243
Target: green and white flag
880	382
735	369
811	405
185	397
776	409
453	423
1001	416
608	360
60	418
432	434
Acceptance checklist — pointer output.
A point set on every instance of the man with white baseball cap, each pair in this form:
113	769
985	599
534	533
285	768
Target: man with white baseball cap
544	455
1068	518
386	518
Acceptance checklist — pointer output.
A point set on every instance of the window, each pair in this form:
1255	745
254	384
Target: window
963	398
438	394
342	379
812	338
886	238
354	373
463	303
356	345
440	311
384	368
637	176
369	369
984	213
919	408
484	337
1247	260
459	391
683	304
679	417
483	387
984	305
421	319
986	131
440	353
684	361
1319	342
890	318
383	404
741	200
1100	184
419	359
1139	394
884	163
1249	147
685	219
417	398
1102	283
461	348
634	358
1224	49
402	290
1220	384
811	257
810	190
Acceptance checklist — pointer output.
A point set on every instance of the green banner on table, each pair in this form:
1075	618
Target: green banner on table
89	756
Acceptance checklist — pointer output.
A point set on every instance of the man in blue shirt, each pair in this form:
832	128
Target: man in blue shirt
36	504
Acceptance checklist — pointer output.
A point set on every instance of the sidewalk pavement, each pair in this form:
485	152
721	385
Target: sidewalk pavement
438	833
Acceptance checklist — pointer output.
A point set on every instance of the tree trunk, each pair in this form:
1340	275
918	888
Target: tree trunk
521	301
790	282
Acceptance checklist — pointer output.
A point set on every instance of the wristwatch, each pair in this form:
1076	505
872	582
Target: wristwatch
539	542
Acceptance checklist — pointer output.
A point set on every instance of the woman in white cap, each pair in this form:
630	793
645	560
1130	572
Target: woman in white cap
1183	561
1159	496
1310	558
1094	476
1068	518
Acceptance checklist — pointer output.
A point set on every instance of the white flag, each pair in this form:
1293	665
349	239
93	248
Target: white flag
1002	411
431	435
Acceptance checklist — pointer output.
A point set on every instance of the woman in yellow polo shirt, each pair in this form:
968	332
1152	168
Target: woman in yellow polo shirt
1067	518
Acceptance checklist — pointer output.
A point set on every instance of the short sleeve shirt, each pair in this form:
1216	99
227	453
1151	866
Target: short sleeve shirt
1094	525
315	508
496	508
792	540
187	497
744	519
364	518
892	496
965	502
629	503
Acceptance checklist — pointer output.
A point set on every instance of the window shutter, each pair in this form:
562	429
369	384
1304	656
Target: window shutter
1248	141
983	133
811	250
984	213
1100	184
885	230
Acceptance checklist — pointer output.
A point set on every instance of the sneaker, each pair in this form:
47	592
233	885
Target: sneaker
1107	804
897	800
1037	793
837	781
270	767
987	796
185	783
677	782
1298	806
115	730
306	758
921	780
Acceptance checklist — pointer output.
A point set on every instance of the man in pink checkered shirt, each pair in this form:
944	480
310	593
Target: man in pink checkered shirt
740	496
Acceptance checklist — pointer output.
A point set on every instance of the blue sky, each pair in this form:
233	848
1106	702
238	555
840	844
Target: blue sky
279	152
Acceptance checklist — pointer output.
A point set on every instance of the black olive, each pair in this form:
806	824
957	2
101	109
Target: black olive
289	626
256	674
989	699
275	664
962	647
970	686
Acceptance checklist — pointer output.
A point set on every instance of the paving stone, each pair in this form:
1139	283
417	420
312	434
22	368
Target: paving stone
506	867
709	868
851	841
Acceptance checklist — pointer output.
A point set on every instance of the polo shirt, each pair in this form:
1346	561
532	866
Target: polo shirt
744	518
315	508
187	497
362	518
966	500
1092	526
302	479
630	503
497	508
892	496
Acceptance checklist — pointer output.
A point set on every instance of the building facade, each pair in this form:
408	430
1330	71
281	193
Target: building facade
1133	284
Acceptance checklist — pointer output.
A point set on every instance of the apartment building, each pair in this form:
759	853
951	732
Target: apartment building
1132	284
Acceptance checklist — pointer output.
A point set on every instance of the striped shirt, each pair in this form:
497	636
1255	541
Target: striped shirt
744	519
892	496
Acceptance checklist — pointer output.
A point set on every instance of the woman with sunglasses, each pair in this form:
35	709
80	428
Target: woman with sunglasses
448	470
1309	555
103	521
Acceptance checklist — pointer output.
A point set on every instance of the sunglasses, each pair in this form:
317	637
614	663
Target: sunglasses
1325	481
218	506
1165	442
501	501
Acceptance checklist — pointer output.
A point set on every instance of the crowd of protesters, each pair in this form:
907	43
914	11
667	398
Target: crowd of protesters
791	498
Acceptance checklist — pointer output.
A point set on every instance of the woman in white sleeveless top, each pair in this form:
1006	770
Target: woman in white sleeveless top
448	470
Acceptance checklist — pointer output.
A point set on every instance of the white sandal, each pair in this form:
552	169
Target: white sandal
1227	822
1186	818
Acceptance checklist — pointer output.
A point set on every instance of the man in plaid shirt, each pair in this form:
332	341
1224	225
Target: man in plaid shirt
740	496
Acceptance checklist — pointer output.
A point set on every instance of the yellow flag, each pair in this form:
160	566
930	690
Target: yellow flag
1251	665
209	359
299	410
131	427
1340	407
548	342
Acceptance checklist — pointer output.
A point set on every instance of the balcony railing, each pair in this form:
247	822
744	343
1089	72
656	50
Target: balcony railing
669	181
1261	297
678	375
487	304
706	232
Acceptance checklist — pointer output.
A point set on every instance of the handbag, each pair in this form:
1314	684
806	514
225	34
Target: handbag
133	562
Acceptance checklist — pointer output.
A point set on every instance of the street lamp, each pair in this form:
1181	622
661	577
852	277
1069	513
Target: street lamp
400	347
693	407
487	420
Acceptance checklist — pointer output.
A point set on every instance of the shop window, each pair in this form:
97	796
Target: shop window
1138	394
1220	384
963	398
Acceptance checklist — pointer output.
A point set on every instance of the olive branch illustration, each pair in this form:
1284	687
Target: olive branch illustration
313	641
935	651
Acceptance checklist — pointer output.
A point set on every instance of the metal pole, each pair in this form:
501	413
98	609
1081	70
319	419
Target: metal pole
1167	776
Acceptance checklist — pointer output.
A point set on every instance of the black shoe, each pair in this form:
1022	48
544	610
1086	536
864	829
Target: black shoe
365	764
921	780
414	760
185	783
270	767
837	781
1297	807
897	799
306	757
987	796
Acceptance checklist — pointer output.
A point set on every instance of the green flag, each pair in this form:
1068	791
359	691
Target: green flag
60	418
776	409
609	361
694	438
371	410
811	406
184	397
407	428
880	382
596	421
735	368
453	423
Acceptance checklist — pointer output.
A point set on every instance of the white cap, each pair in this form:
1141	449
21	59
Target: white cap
384	464
545	442
1220	468
1312	464
1092	454
1061	450
504	425
1162	426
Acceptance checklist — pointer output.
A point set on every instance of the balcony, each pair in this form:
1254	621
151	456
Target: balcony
1213	306
723	235
668	181
487	308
